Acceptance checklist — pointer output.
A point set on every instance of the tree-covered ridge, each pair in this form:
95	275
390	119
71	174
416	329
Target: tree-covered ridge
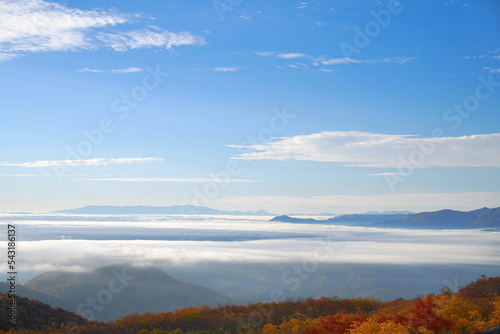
32	314
472	309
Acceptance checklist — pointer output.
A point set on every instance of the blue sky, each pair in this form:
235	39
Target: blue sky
296	106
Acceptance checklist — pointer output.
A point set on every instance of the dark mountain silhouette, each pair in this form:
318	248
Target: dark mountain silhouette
404	212
111	292
176	209
364	218
33	314
288	219
329	214
442	219
354	219
23	291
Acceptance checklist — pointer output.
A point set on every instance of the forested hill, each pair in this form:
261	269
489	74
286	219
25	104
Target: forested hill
132	288
33	314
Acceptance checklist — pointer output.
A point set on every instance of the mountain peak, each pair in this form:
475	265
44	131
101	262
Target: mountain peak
148	289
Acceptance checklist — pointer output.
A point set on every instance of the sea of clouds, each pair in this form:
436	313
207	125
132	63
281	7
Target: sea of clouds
63	243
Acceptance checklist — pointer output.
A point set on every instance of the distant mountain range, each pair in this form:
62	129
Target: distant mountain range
97	294
366	213
158	210
442	219
351	219
175	209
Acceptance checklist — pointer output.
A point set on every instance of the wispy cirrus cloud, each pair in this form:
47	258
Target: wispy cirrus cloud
325	61
83	162
338	61
282	55
227	69
386	174
265	54
28	26
491	54
128	70
291	55
89	70
118	71
166	179
381	150
146	38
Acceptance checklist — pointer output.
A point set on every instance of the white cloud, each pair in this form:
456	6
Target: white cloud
252	241
7	56
42	26
118	71
283	55
401	60
381	150
394	60
265	54
128	70
302	5
227	69
490	54
83	162
322	60
337	61
88	70
163	179
35	25
17	175
292	55
145	38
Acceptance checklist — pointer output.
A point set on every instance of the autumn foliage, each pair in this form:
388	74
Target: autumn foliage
32	314
472	309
